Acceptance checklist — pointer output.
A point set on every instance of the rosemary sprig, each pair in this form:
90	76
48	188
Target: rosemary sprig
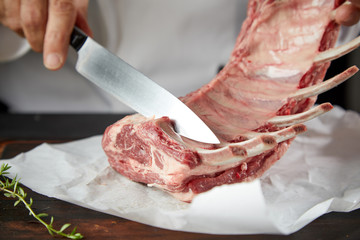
14	190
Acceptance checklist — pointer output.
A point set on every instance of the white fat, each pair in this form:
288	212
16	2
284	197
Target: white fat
272	72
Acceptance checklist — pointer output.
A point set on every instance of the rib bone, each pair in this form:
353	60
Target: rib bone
288	133
287	120
337	52
324	86
238	152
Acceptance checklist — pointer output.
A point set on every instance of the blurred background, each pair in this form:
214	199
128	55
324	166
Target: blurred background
345	95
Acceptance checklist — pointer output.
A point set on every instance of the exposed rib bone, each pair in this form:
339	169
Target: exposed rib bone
337	52
237	152
287	120
324	86
288	133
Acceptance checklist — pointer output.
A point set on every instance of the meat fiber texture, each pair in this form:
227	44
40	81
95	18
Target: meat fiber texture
272	58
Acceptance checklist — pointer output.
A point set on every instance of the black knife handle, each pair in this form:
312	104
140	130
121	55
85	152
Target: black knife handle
77	38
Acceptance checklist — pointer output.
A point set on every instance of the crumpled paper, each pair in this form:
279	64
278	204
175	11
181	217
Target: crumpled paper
318	174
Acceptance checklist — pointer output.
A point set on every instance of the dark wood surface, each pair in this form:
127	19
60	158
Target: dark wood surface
21	133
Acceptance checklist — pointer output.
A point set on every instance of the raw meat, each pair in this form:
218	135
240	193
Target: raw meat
253	105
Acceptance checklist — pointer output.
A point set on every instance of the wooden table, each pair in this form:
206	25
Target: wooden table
20	133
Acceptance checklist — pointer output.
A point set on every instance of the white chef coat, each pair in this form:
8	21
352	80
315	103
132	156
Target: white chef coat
178	44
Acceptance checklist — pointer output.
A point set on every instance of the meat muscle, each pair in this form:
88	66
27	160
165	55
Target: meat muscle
273	58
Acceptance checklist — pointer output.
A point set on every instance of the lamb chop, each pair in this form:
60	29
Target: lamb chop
256	105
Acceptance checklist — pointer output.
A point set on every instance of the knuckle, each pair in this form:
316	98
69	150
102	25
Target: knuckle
63	6
32	19
54	36
13	25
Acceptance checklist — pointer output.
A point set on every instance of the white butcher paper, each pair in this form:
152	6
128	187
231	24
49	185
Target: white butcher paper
318	174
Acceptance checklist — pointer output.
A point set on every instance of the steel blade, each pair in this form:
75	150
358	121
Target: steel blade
133	88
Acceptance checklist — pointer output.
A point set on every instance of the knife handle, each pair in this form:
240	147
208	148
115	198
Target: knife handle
77	38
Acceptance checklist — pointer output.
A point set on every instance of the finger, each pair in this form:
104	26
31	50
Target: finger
33	15
355	2
2	11
61	20
82	7
347	14
81	18
82	23
10	15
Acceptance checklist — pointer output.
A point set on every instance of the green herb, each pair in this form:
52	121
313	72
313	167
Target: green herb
12	189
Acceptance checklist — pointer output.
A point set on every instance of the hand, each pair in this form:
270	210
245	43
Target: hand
348	13
46	24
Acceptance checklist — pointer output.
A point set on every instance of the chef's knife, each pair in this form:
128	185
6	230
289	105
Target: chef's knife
131	87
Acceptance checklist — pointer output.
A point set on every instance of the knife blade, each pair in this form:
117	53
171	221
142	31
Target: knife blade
133	88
